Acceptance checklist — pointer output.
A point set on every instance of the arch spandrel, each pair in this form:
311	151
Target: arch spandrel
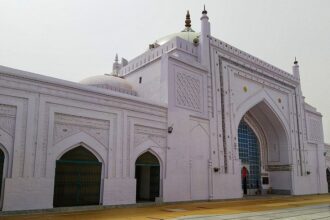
69	143
262	97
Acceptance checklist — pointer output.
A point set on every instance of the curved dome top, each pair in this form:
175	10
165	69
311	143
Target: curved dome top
186	35
110	82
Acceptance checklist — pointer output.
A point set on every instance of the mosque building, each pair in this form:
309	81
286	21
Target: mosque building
192	118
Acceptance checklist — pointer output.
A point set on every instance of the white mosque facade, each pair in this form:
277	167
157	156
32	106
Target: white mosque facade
192	118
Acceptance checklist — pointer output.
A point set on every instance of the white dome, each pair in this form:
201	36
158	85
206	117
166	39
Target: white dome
109	82
186	35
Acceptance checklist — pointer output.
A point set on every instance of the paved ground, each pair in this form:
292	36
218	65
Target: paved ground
303	213
256	208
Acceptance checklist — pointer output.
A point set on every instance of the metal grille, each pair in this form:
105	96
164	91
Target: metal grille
77	181
249	154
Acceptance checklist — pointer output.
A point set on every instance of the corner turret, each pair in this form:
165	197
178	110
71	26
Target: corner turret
295	69
204	39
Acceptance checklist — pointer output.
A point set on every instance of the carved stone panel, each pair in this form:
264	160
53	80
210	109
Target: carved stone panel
7	118
68	125
188	92
143	133
314	129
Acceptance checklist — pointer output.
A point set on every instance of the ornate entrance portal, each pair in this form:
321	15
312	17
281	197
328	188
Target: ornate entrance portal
77	179
147	174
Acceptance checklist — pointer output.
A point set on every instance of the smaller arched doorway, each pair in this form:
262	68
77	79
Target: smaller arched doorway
328	179
147	174
2	162
77	179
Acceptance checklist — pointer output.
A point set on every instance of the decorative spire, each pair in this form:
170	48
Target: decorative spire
188	24
204	12
115	67
295	61
188	21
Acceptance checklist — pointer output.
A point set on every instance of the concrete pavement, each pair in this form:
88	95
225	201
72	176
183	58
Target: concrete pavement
274	207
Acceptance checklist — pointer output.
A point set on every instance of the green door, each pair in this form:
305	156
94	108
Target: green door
77	179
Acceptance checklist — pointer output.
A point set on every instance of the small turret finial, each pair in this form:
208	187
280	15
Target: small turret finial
116	58
204	12
188	21
295	61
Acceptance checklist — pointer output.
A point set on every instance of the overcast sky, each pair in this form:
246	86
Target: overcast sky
74	39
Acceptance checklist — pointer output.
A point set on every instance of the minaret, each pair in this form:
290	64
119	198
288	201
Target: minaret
295	69
115	67
204	39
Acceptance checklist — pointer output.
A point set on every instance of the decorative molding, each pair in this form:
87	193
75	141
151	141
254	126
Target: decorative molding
314	131
188	92
143	133
8	118
68	125
247	60
285	167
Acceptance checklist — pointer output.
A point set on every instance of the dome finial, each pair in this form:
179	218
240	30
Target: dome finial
204	12
188	21
295	61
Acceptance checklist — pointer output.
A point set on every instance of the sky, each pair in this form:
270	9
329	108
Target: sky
74	39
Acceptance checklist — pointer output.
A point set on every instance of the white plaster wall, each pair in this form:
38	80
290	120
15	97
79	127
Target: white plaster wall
50	119
154	83
187	172
28	193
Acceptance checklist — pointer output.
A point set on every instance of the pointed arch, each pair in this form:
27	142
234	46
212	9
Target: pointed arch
83	139
153	147
67	144
261	97
148	176
199	125
151	151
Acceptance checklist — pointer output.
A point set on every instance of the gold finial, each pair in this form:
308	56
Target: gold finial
188	21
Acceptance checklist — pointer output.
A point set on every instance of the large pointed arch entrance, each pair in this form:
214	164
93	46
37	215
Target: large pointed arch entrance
147	174
263	150
77	179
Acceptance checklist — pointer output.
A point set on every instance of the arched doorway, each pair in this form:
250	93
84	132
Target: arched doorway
147	174
2	162
328	179
249	154
77	179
